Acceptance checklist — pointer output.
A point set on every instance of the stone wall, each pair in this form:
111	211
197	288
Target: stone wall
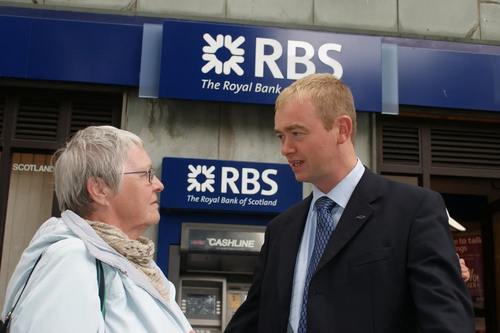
458	20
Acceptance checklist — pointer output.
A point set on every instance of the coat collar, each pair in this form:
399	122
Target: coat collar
357	212
99	249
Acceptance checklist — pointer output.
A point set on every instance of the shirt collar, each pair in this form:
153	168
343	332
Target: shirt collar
343	191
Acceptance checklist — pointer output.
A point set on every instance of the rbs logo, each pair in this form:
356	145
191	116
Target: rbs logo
202	178
213	62
268	59
293	59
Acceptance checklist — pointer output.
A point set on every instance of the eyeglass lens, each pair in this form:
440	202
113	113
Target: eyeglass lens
151	174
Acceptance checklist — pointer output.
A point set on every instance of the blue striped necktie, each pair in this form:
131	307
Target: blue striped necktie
324	229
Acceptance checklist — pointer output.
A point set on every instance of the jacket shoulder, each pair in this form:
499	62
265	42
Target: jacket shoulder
298	211
373	181
68	255
390	185
68	246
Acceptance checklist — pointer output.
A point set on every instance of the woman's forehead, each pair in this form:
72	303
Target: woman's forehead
137	157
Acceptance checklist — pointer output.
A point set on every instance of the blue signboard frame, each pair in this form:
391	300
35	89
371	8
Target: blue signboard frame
449	79
64	50
228	185
235	63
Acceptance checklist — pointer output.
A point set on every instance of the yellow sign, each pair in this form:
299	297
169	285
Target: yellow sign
234	301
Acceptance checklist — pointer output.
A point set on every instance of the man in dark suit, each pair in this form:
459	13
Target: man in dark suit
362	253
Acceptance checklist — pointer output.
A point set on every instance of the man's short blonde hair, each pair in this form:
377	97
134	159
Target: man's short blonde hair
329	95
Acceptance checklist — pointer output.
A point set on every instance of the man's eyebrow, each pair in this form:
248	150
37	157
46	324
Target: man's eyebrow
292	128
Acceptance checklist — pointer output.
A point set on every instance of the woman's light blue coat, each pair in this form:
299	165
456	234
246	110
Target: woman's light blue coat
62	293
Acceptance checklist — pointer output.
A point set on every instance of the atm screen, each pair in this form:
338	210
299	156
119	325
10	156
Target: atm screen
200	304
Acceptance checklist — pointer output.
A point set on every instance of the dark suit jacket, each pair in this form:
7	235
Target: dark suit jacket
390	266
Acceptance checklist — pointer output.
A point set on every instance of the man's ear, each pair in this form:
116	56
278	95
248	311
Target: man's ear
345	128
97	191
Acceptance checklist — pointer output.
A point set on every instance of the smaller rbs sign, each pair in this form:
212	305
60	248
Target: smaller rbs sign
228	185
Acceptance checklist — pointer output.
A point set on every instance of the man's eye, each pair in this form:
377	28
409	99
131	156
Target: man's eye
280	137
296	133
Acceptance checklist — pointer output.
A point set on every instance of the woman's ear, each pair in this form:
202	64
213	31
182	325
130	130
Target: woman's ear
345	129
97	191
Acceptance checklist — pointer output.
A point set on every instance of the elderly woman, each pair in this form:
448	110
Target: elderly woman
91	270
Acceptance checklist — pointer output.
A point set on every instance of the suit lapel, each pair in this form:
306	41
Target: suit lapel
357	212
290	235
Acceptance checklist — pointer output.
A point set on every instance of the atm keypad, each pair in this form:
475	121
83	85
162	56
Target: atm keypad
183	305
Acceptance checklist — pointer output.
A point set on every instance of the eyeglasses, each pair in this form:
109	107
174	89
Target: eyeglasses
150	172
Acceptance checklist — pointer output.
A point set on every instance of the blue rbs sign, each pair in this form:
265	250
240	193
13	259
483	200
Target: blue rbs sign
254	64
227	185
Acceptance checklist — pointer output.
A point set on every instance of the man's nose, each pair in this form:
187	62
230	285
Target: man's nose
287	147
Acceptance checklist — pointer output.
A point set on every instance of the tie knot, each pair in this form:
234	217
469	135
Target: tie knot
325	203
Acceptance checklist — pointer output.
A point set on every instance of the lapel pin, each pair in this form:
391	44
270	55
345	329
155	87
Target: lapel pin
360	217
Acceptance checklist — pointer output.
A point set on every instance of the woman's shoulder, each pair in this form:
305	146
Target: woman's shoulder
68	245
72	251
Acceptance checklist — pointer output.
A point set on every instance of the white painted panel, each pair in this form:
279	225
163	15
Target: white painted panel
490	22
210	8
377	15
287	11
439	18
128	5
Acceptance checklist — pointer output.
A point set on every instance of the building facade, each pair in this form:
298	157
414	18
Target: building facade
433	122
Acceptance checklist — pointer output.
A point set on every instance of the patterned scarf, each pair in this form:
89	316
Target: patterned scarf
139	252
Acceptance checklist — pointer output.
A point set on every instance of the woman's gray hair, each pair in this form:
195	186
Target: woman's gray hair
94	152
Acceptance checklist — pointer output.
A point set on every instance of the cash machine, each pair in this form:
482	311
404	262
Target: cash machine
216	266
212	227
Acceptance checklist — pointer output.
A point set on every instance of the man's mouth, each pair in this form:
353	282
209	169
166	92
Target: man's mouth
296	163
